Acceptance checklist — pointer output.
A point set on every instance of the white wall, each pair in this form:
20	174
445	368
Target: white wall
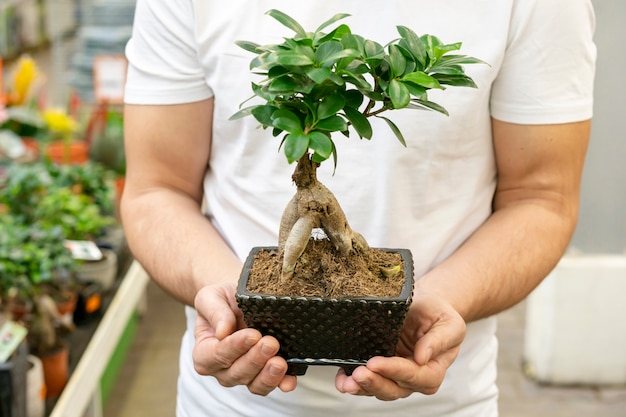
602	223
575	327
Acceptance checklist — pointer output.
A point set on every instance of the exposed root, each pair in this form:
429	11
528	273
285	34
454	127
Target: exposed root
313	206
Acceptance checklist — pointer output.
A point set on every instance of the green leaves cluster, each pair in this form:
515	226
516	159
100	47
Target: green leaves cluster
317	83
30	255
41	205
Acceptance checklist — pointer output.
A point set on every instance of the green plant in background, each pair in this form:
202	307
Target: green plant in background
24	187
107	139
35	270
315	84
74	213
31	255
23	121
91	179
76	198
43	205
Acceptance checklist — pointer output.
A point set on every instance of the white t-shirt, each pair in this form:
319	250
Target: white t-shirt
428	197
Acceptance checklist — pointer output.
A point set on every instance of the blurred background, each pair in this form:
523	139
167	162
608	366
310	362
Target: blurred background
562	351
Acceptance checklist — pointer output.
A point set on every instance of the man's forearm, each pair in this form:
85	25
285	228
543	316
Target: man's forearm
503	261
176	244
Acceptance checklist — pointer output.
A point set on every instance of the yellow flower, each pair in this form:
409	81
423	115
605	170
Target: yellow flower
23	79
59	121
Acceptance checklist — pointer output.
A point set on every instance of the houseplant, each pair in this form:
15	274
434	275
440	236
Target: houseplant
76	198
316	84
35	269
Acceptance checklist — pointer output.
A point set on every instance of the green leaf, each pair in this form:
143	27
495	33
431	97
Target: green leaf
412	43
326	51
283	84
248	46
330	52
287	21
446	69
263	61
356	67
321	144
263	114
399	94
440	50
276	71
416	90
358	81
287	121
293	59
247	111
332	20
397	62
374	52
336	79
459	60
429	105
431	42
359	122
456	80
318	75
261	91
296	145
353	98
423	79
330	105
395	130
353	41
337	33
332	124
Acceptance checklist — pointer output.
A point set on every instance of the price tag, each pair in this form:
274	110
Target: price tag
11	335
84	250
109	78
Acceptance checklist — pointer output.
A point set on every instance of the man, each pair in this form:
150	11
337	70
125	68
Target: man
486	199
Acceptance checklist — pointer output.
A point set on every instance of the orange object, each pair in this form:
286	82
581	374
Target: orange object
68	153
55	371
93	303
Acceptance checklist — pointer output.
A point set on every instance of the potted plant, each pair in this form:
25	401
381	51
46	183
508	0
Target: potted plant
60	144
317	84
35	268
77	199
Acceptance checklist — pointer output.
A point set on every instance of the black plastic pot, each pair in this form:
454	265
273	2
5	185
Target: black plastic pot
327	331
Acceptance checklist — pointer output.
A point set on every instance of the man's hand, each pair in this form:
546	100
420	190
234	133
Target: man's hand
430	342
232	353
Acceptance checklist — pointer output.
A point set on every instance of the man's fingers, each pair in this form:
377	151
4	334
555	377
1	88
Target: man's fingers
443	336
245	368
406	375
212	355
219	320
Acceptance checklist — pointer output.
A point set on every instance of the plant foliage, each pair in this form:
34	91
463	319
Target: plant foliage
317	83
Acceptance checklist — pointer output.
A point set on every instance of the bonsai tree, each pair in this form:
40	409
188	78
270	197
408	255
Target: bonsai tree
317	84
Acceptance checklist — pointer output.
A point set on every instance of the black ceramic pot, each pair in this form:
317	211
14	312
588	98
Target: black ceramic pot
327	331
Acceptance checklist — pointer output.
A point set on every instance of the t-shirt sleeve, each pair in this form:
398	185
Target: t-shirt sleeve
163	65
548	70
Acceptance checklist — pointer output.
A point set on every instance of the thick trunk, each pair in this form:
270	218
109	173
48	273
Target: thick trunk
313	206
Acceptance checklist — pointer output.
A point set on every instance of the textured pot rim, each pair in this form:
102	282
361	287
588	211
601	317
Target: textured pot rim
404	296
